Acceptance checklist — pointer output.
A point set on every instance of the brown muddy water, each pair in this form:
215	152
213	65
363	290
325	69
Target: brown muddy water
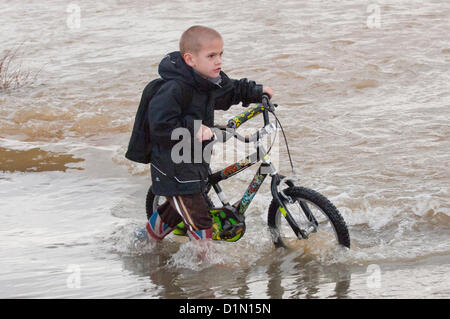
363	89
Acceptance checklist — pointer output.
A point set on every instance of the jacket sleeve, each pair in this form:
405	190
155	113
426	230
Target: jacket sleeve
236	91
165	114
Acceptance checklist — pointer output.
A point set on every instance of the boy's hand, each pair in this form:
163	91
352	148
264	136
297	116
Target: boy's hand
204	133
268	90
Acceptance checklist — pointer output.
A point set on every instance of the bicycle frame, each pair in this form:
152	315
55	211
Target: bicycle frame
266	168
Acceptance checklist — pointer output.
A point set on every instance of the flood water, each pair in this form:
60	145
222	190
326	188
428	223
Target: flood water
363	94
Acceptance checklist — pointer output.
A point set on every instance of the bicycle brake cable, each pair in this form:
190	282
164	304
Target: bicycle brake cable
286	142
274	138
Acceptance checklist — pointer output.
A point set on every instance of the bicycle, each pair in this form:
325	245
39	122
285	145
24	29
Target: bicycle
306	211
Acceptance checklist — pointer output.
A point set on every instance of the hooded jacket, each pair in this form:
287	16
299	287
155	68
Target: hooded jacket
166	113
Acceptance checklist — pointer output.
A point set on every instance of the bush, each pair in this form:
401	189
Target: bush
12	75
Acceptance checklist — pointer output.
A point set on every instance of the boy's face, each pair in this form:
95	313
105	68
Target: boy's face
208	61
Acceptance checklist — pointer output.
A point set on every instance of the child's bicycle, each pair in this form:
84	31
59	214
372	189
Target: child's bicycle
304	210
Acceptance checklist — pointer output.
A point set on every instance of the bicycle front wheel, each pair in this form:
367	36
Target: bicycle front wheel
312	212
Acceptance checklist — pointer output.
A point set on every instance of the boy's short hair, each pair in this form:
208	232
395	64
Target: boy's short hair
192	39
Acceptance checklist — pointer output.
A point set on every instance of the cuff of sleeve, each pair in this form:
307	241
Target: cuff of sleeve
258	93
254	94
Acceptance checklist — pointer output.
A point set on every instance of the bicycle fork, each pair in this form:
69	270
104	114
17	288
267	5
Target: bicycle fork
277	181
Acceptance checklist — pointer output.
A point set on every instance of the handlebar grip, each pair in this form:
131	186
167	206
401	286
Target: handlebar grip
243	117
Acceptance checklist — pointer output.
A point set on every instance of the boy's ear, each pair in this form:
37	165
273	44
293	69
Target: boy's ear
189	59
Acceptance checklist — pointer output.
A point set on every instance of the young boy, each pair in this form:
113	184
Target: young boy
198	65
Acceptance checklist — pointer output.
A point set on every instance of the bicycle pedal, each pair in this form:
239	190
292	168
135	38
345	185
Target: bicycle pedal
231	231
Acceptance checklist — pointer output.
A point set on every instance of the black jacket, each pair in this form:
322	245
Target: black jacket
166	114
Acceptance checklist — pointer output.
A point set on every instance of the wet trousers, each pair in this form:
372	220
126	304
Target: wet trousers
193	210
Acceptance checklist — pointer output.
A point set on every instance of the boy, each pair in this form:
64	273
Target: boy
198	65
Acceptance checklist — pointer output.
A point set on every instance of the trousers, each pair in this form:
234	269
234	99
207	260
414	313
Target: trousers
192	209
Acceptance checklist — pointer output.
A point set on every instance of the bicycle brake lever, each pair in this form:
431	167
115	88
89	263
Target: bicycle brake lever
266	102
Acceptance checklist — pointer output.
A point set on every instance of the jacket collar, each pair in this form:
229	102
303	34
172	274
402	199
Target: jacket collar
173	66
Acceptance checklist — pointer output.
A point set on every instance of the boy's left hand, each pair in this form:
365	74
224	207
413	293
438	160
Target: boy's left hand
204	133
268	90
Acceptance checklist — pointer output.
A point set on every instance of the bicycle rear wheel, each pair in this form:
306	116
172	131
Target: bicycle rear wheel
312	212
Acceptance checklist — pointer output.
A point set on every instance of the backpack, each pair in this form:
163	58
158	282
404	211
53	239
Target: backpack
140	145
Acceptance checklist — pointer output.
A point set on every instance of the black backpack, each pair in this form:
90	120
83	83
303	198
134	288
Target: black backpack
140	145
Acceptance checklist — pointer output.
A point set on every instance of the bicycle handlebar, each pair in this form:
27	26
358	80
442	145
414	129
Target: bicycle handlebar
223	134
241	118
251	112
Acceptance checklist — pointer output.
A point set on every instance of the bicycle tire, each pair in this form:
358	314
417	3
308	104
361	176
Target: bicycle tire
305	195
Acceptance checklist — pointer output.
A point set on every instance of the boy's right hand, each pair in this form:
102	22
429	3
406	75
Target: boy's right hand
204	133
268	90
